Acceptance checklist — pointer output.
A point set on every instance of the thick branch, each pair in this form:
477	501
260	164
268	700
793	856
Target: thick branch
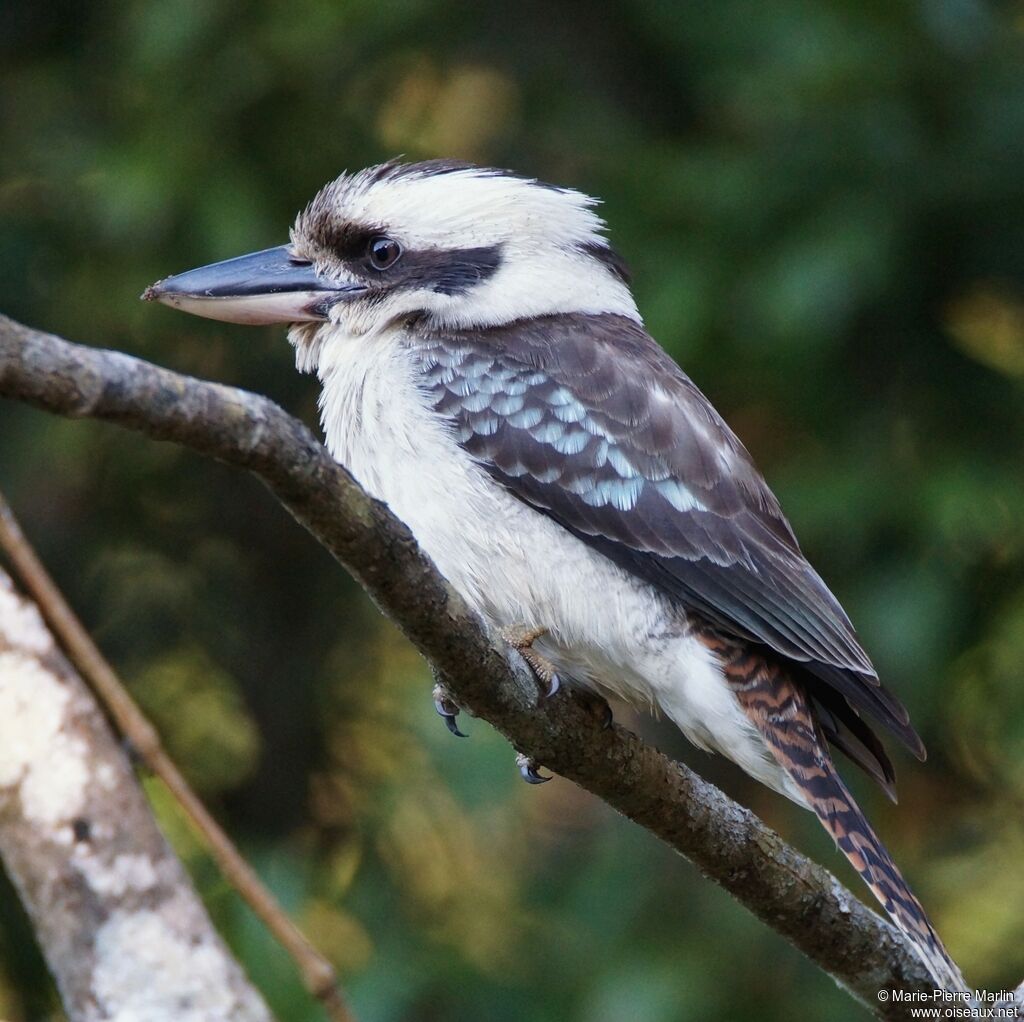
316	972
799	899
123	931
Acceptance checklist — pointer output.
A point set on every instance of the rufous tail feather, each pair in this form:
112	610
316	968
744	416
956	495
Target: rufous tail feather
781	710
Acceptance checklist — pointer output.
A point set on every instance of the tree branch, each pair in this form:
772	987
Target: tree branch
317	973
122	929
800	900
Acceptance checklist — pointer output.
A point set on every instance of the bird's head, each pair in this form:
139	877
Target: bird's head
453	244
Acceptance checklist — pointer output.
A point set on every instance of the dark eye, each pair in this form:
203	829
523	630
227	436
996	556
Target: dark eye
384	252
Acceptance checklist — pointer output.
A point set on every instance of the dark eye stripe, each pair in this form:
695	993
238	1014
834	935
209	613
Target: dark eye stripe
346	241
445	271
609	257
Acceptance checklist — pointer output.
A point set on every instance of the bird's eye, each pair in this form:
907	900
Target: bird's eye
384	252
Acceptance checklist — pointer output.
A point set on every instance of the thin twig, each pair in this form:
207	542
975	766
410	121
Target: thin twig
317	973
103	889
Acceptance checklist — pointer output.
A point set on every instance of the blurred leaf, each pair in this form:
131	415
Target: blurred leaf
985	719
989	326
198	709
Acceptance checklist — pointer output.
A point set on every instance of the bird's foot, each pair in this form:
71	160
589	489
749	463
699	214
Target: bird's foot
521	639
529	769
448	710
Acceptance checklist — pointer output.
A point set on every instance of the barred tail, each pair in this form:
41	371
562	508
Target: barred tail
781	711
842	818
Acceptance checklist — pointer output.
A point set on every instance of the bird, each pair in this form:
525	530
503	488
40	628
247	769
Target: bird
486	373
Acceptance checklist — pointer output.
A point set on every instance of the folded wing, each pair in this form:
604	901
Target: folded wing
588	420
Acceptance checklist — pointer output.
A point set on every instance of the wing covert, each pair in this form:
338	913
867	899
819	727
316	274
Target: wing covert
588	420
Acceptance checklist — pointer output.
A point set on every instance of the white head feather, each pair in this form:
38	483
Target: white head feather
551	250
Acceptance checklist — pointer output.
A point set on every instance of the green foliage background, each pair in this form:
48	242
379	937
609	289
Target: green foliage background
823	204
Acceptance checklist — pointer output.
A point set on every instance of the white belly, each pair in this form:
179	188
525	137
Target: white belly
514	566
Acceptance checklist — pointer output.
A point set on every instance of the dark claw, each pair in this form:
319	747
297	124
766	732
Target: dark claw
530	775
553	686
528	769
452	724
447	711
607	717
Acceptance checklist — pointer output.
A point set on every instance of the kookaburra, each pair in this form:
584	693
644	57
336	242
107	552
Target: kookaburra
486	373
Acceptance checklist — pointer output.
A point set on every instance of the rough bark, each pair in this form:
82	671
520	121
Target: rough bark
123	931
799	899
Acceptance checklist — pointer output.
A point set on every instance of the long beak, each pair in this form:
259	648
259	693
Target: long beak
264	287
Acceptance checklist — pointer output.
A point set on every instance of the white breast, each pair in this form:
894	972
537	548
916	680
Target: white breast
513	565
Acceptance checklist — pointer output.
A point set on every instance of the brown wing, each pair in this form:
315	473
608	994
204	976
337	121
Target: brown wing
588	420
